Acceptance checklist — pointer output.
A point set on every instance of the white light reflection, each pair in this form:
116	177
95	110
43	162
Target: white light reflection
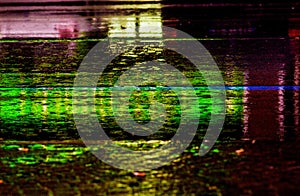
281	105
246	112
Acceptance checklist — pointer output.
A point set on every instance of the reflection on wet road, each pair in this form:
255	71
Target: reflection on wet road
42	48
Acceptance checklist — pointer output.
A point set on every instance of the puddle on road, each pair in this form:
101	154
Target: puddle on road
40	148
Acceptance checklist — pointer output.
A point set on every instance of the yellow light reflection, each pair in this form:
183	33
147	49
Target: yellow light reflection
137	25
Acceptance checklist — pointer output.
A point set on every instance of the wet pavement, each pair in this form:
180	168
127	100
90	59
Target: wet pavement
256	47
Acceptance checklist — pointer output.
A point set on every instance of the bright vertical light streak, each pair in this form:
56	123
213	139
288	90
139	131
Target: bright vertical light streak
296	83
281	104
246	112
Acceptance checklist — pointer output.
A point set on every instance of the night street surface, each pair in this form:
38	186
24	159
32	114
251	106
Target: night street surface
256	46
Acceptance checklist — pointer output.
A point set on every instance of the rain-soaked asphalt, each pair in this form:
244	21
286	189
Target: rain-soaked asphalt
256	46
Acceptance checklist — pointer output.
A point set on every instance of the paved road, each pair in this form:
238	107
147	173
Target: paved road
256	154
